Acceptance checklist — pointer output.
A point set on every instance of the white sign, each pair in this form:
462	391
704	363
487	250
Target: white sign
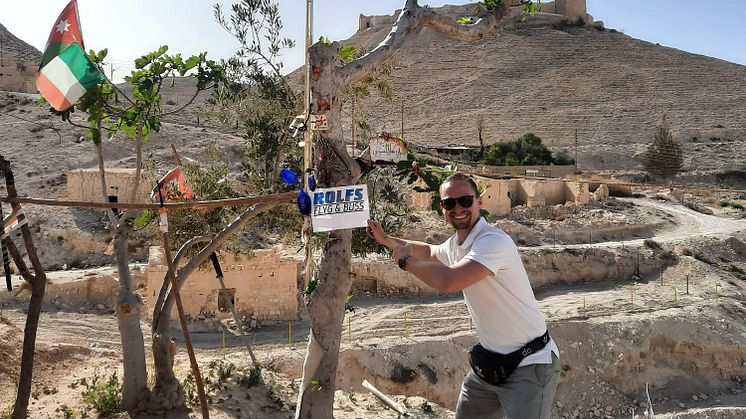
319	122
339	208
387	149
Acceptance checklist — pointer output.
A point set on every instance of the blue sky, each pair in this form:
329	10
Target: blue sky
130	28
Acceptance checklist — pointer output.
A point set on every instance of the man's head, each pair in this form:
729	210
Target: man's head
460	201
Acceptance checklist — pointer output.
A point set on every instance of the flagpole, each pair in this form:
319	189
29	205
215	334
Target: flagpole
308	134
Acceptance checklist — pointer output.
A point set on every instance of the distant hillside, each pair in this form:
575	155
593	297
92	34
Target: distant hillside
552	78
12	48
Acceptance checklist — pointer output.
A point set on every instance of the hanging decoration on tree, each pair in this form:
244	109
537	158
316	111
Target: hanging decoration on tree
289	177
303	200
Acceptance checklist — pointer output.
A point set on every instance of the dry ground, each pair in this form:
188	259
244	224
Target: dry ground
685	339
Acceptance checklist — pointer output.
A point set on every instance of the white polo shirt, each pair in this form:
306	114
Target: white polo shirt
503	306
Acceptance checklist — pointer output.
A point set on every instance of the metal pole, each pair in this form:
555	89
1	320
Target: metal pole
308	134
229	300
402	119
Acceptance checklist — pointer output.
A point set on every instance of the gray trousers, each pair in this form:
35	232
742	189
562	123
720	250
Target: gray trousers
527	394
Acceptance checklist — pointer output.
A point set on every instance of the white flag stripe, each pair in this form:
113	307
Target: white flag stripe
59	73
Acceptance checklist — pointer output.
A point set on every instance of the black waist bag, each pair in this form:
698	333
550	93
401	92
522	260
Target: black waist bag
494	368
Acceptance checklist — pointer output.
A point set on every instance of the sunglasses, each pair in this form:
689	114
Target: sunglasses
463	201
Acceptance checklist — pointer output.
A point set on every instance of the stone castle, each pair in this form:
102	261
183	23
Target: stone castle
570	9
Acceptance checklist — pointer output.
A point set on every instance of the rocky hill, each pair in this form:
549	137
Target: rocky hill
15	49
554	78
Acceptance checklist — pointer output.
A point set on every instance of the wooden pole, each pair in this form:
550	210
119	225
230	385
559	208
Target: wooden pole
180	308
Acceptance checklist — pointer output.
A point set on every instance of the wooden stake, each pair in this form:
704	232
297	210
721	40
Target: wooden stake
182	319
687	285
675	296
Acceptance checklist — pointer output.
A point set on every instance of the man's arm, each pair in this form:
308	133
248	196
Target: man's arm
445	278
417	249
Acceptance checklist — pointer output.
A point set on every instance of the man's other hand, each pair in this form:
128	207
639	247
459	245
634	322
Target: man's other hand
375	232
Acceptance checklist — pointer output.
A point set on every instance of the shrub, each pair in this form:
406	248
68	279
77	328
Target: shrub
652	244
103	396
249	377
525	150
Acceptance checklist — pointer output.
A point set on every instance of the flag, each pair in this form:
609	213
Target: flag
173	184
11	222
66	72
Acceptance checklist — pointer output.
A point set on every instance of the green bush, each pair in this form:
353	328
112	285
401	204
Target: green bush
526	150
102	394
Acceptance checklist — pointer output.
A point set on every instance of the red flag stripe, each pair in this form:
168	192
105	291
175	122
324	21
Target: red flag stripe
51	93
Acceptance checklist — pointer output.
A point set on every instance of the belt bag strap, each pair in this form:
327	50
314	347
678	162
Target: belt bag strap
535	345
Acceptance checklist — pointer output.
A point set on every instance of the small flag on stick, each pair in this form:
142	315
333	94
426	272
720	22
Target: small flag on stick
10	222
173	185
66	72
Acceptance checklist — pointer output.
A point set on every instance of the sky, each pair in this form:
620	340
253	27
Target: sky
130	28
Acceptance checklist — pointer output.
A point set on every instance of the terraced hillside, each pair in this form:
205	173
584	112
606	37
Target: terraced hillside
551	78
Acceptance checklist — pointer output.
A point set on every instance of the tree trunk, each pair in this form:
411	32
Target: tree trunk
135	393
335	168
38	285
135	379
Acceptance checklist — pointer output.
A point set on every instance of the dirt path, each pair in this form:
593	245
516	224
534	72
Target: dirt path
688	224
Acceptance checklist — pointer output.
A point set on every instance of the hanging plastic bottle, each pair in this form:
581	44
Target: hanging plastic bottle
289	177
311	183
304	202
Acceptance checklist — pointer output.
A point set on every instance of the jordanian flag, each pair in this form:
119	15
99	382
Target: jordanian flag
66	71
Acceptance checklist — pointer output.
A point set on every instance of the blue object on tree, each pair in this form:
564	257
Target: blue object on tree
289	177
311	183
304	202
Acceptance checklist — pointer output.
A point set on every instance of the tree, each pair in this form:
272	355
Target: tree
664	157
111	111
526	150
335	167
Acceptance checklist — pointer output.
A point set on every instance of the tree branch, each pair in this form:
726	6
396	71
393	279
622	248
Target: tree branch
412	19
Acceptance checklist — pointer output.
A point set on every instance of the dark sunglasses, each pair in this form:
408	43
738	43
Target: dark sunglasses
463	201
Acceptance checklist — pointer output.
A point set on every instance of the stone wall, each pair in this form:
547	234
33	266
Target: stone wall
263	286
367	22
500	195
17	76
85	185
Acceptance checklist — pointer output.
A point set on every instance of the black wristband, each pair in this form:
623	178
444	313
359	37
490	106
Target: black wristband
403	261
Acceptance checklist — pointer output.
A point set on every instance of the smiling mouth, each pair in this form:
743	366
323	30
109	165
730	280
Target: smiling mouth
460	217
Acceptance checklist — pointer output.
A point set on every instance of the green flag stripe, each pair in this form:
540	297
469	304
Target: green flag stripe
54	49
81	67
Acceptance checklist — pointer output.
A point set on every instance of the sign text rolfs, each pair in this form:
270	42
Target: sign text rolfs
340	208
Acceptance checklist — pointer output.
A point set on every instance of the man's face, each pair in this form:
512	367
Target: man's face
459	217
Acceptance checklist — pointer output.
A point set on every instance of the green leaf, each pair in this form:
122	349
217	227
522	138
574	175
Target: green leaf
348	53
325	40
311	287
463	21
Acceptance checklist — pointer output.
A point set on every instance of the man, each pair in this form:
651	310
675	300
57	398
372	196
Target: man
483	262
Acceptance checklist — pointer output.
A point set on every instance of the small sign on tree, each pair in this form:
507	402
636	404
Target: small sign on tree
387	149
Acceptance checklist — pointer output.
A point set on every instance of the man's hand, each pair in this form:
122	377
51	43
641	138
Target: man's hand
375	232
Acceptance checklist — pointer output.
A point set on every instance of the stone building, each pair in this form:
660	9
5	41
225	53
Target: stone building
17	76
85	185
263	286
500	195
